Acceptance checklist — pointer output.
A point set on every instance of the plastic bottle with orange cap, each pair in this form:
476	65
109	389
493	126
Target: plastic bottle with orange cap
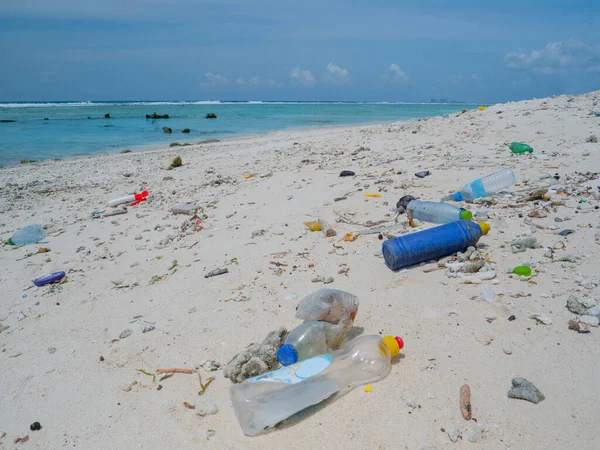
267	399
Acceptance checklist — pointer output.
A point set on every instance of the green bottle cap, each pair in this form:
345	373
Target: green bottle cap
465	214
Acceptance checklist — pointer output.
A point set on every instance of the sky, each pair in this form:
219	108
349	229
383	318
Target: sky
371	50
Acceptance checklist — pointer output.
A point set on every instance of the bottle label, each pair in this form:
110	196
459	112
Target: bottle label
295	373
478	189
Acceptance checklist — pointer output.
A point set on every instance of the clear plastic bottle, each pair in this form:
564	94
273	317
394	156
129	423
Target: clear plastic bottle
27	235
267	399
313	338
485	186
437	212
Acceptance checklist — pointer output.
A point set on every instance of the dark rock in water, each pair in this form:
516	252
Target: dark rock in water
167	130
403	202
185	130
209	141
347	173
523	389
7	121
174	144
211	116
45	118
126	151
566	232
157	116
89	117
107	116
28	161
423	173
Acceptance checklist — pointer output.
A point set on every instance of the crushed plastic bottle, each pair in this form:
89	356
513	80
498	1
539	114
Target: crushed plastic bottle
27	235
483	187
519	147
313	338
264	401
437	212
327	305
433	243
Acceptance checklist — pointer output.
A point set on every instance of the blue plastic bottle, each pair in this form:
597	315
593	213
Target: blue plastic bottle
432	243
27	235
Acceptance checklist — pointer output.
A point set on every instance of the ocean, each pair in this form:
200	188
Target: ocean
80	128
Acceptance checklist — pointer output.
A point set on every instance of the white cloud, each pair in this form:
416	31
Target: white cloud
302	77
274	83
254	81
214	79
336	75
556	57
475	77
240	81
396	74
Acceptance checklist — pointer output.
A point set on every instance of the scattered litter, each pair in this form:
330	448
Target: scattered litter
48	279
314	226
368	388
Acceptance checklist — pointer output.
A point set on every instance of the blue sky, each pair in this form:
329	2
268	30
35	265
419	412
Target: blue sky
390	50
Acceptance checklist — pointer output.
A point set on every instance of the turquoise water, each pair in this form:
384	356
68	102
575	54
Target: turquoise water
69	132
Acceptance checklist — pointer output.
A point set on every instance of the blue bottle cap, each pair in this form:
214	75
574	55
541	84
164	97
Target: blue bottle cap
457	197
287	355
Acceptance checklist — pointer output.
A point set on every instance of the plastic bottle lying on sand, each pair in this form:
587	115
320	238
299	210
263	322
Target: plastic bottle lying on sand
313	338
437	212
433	243
482	187
264	401
27	235
129	198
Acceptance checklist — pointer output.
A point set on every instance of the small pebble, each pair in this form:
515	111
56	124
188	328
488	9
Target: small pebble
35	426
51	350
507	349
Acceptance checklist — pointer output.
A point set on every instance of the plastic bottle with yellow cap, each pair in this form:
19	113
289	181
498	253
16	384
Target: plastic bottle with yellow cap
433	243
264	401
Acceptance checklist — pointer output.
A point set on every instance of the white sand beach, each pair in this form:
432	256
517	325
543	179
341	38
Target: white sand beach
64	365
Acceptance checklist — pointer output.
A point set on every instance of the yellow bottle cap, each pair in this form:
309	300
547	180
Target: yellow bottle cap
394	344
485	228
